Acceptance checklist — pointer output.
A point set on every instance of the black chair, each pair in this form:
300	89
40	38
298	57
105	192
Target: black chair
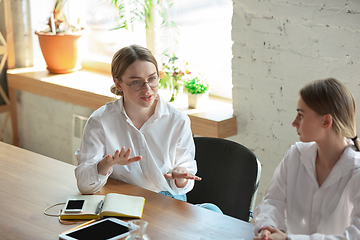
230	176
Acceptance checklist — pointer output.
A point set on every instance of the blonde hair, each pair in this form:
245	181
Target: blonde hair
330	96
126	56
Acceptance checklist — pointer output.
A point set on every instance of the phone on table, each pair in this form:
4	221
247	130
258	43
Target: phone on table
74	206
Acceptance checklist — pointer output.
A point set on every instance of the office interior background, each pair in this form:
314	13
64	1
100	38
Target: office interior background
271	49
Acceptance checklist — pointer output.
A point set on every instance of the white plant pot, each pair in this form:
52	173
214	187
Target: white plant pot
198	100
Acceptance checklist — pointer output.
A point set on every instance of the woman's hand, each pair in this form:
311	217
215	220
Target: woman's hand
270	233
120	157
181	176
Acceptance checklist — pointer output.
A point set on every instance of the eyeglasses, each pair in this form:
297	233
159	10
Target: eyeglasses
137	85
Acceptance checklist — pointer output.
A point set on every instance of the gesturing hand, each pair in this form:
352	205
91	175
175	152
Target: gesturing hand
122	157
181	176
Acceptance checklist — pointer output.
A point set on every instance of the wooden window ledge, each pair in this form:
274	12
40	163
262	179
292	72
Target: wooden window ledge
92	89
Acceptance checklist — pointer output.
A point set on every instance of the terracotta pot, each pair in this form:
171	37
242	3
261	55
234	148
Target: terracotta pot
62	52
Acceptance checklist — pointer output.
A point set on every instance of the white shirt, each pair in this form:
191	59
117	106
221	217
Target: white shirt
295	202
164	141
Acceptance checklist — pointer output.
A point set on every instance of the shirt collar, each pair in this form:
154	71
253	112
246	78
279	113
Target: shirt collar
308	154
161	107
349	160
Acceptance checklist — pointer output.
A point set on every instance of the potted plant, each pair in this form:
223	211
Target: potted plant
198	93
61	43
173	75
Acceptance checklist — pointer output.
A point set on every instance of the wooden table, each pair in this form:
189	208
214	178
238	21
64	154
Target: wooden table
31	182
92	89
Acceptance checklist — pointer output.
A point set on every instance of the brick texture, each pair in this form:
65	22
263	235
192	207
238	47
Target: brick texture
279	46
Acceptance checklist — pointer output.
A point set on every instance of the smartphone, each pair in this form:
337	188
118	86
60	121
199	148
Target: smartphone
74	206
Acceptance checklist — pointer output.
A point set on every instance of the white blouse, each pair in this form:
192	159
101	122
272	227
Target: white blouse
295	203
165	141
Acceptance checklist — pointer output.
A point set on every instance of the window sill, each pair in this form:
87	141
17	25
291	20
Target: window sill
92	89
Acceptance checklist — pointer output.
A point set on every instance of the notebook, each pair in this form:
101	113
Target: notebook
111	205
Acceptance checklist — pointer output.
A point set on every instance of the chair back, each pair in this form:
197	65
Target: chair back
230	175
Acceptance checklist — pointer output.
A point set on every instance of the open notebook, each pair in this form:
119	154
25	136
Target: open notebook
114	205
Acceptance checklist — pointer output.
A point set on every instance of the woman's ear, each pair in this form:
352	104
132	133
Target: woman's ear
327	121
117	84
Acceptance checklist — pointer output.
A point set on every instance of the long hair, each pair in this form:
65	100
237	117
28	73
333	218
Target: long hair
330	96
126	56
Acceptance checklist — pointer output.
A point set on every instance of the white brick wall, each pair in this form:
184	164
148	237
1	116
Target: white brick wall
279	46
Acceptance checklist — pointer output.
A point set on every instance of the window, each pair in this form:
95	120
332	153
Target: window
204	40
101	17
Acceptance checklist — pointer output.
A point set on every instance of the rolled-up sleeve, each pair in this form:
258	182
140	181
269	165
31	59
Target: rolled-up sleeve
184	156
91	151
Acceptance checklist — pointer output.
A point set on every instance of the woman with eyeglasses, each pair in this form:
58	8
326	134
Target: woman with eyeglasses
139	139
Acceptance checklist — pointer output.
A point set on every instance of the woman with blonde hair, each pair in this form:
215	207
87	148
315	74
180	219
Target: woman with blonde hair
315	190
139	138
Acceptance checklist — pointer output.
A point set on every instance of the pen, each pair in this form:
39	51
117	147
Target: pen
99	206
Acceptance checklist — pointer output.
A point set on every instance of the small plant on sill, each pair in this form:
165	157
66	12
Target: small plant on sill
196	85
